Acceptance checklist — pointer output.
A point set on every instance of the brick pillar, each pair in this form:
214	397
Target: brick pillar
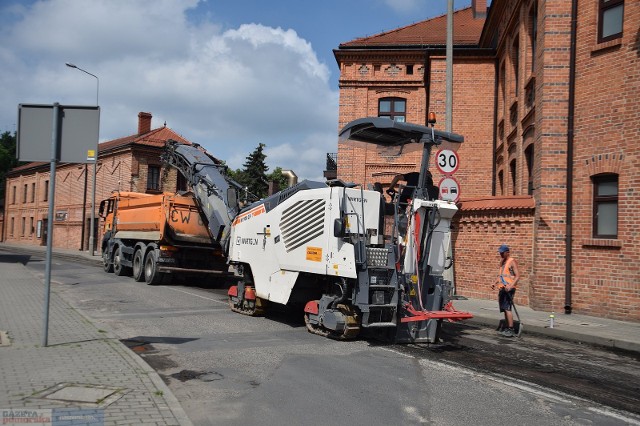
550	176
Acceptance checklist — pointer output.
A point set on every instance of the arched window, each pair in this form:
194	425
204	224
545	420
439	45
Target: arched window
528	153
605	205
500	183
512	172
393	108
515	61
533	34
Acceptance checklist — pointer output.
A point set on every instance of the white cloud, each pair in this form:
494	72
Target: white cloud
406	6
226	90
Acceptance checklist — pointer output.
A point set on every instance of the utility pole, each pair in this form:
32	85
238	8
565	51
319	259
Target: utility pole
449	101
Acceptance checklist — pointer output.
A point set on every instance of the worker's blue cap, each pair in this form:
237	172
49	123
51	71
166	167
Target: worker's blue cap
503	248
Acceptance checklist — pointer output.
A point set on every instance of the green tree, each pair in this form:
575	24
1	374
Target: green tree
254	174
277	177
8	158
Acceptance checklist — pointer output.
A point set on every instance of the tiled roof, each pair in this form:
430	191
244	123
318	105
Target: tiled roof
155	138
433	31
519	202
29	166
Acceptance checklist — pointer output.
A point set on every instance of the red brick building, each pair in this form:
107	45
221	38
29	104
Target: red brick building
546	94
131	163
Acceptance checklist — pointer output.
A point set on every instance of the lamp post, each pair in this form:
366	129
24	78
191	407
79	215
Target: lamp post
95	167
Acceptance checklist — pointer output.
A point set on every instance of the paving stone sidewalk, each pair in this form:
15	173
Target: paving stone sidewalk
90	360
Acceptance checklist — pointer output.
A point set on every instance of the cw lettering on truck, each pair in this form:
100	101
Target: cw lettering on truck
183	216
248	215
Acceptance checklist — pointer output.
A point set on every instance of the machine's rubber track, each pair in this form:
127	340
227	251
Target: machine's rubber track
252	309
351	330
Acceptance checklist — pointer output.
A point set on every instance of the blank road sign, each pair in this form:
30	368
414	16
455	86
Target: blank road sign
79	129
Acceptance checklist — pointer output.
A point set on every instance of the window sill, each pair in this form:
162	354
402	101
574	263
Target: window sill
598	47
602	242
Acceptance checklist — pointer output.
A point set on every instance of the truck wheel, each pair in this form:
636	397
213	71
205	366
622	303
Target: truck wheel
106	263
138	266
151	274
118	269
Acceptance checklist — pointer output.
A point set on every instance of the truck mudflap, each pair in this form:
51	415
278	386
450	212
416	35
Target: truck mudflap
410	314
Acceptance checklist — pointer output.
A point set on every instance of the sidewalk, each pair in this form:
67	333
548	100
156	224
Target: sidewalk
83	373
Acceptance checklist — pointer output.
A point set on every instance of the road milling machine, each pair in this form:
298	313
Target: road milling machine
322	246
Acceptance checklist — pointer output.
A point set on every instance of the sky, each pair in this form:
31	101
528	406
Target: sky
225	74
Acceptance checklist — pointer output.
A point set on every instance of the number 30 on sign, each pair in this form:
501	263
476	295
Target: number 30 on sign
447	161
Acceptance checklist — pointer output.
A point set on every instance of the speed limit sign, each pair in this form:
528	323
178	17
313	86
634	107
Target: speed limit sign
447	161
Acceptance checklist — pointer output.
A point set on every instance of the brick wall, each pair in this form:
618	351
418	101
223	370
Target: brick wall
606	272
476	236
363	83
473	105
551	115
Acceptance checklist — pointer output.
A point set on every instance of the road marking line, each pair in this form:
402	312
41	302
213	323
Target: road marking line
615	415
196	295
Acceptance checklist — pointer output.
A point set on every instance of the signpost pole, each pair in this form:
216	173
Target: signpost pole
55	139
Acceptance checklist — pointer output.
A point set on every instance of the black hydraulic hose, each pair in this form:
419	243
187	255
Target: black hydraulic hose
342	285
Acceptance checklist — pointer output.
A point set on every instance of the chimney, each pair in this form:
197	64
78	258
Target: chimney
144	123
479	8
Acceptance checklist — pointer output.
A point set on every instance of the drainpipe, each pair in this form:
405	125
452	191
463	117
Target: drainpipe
495	125
570	130
84	209
427	82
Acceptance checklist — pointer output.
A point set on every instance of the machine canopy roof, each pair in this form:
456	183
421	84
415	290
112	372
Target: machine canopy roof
390	135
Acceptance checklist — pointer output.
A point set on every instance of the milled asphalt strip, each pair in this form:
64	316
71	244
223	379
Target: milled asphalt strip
534	389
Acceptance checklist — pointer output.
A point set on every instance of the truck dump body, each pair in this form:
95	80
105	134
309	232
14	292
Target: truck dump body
158	217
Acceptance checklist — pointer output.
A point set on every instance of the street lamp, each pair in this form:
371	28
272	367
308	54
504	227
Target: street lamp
95	165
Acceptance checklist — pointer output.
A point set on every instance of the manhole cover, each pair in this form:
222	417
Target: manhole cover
4	339
90	395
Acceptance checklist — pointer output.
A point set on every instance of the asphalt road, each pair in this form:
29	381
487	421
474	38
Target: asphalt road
230	369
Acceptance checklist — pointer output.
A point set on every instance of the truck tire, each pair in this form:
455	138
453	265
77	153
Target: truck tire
138	265
106	262
151	274
118	269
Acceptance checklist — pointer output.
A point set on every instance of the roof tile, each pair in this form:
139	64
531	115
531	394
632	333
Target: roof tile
433	31
515	202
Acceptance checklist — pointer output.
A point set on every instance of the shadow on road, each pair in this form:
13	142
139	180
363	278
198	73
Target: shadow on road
15	258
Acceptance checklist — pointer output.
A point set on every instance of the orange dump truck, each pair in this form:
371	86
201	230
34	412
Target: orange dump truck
157	237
